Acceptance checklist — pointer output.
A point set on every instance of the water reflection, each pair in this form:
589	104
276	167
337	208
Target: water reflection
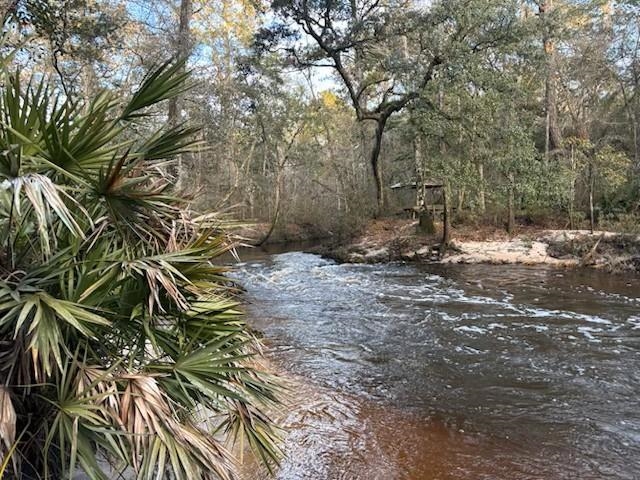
457	372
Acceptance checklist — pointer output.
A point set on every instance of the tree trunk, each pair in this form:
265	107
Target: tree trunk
553	136
376	167
446	189
182	52
425	223
636	145
419	168
572	188
461	194
633	121
276	205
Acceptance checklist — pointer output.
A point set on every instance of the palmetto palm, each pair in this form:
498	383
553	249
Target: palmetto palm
120	341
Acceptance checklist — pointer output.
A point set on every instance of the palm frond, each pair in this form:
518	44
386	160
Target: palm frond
20	120
45	197
166	81
81	140
167	144
156	432
7	421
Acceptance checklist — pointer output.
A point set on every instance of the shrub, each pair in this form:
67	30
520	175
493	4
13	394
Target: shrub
621	222
119	338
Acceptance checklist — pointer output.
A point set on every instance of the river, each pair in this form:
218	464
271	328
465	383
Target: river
450	372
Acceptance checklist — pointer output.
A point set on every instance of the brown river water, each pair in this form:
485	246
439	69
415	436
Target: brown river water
456	372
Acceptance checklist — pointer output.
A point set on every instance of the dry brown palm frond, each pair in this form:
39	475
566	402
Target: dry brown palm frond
162	279
101	385
44	198
156	278
15	361
172	240
189	226
156	432
7	419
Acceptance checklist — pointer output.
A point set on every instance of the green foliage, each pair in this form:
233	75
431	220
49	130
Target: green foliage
471	81
613	169
119	338
78	27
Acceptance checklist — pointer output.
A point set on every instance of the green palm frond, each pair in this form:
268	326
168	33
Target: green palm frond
171	143
80	140
44	321
117	331
166	81
20	116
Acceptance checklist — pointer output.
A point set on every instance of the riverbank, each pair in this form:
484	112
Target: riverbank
395	240
287	233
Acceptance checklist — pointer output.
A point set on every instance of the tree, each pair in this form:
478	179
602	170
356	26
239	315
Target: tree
375	94
386	54
625	57
184	44
548	21
76	39
280	119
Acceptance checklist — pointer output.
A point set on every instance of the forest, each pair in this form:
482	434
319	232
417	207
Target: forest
136	134
310	110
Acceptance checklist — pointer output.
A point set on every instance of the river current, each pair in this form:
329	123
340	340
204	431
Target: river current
450	372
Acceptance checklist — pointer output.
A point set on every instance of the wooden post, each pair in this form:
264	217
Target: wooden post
481	195
511	220
592	220
446	221
572	189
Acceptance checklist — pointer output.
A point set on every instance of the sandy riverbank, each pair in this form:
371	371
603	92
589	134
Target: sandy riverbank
395	240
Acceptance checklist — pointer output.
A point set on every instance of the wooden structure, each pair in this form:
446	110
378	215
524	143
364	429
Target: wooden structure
427	201
427	196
